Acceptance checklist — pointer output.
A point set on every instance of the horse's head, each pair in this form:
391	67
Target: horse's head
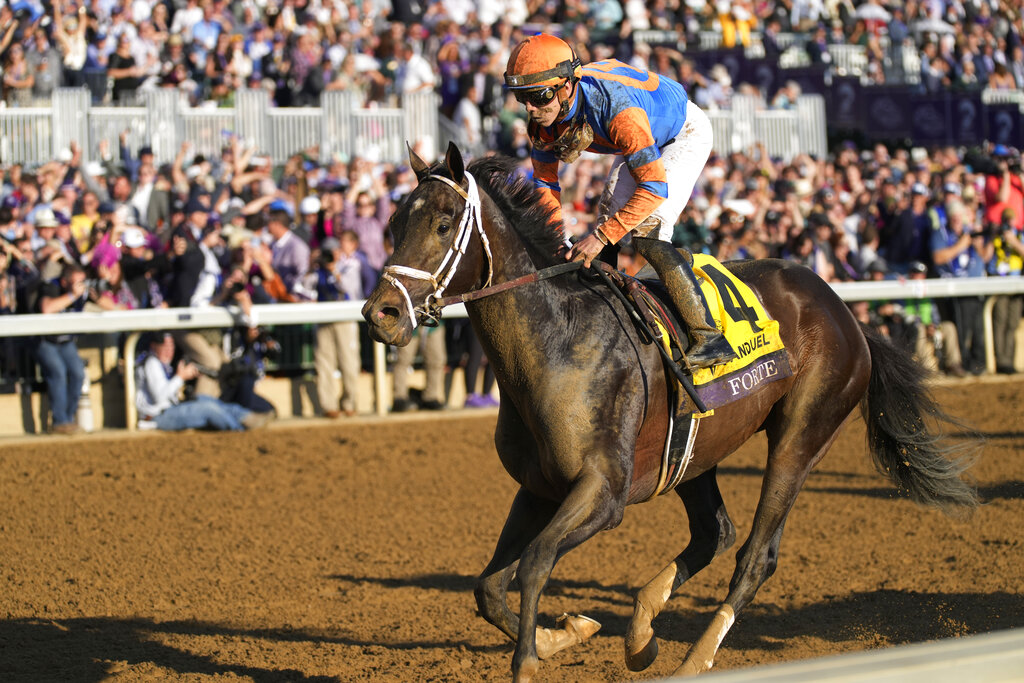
435	250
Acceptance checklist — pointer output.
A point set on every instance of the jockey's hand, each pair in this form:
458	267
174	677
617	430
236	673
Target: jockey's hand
587	249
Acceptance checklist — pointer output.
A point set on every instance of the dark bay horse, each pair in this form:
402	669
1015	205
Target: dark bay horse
585	403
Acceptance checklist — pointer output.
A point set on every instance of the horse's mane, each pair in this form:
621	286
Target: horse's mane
516	197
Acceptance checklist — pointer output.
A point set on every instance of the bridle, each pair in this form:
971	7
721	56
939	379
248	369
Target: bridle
430	310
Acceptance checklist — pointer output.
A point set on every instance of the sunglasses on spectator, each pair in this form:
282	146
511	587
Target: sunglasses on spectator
364	203
538	97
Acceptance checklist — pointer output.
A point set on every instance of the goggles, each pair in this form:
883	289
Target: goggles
538	97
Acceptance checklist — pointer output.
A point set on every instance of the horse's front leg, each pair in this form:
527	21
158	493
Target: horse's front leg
527	518
590	507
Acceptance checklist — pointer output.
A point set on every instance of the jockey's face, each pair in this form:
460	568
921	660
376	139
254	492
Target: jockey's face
546	114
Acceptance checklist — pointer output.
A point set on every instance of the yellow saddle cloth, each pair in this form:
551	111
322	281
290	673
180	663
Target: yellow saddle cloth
749	329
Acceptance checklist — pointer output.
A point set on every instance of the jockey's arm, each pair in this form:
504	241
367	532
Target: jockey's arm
545	178
630	131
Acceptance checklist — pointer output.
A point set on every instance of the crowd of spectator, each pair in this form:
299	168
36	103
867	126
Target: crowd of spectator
298	49
127	232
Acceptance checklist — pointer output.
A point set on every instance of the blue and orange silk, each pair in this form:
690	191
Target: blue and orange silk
633	113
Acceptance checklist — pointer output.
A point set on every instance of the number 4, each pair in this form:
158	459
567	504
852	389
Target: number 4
732	301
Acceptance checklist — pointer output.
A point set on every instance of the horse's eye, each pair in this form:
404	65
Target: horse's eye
443	228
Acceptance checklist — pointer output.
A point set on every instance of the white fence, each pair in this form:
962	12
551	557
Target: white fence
784	132
996	657
137	322
34	135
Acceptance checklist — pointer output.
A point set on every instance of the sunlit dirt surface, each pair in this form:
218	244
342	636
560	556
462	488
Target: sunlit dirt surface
348	551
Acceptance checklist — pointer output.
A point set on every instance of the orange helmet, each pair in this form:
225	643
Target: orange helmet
542	60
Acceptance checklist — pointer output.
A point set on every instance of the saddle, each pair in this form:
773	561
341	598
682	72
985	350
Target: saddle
651	301
745	323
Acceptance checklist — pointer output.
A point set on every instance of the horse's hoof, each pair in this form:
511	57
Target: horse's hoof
574	630
644	657
691	667
526	672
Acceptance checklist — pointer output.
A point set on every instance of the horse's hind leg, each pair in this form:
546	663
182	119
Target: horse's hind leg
799	434
711	532
526	519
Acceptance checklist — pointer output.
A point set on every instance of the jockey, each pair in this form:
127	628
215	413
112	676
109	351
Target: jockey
662	141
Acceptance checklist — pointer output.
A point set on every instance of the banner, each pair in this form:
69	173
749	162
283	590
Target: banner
1003	124
887	112
845	103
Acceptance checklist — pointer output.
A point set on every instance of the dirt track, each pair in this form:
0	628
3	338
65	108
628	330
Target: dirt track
348	551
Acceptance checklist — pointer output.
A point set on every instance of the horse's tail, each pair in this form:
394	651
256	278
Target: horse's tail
904	446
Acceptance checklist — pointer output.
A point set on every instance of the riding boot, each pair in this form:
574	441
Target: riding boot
708	346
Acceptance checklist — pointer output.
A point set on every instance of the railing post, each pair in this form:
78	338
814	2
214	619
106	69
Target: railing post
161	123
811	125
338	127
130	412
70	110
252	106
422	122
380	377
990	338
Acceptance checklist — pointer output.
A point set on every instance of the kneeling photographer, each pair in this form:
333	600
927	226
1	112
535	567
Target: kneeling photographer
250	348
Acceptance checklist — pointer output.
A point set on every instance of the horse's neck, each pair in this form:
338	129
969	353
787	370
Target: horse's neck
513	324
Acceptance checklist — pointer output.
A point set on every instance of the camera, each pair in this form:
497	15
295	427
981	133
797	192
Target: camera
97	285
235	288
268	346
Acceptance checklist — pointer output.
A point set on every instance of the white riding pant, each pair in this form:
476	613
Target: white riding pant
684	159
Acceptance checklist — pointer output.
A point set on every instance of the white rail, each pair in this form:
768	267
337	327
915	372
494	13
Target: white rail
137	322
985	658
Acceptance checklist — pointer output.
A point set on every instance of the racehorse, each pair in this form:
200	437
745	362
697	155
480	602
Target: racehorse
585	402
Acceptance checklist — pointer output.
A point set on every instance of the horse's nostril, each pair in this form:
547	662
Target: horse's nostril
387	312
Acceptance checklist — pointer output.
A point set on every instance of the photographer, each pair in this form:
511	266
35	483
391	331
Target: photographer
1006	314
250	348
57	355
960	249
159	396
342	273
197	249
1004	187
1004	213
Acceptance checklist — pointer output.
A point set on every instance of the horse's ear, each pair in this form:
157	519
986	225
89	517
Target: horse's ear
453	160
420	167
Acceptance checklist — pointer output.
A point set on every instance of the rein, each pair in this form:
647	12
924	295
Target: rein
543	274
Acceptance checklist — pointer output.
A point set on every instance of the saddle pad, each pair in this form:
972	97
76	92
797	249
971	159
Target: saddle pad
748	328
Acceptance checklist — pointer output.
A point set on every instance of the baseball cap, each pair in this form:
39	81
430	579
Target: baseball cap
95	168
330	244
951	188
282	204
878	266
309	205
45	218
193	205
133	237
1001	151
917	267
918	188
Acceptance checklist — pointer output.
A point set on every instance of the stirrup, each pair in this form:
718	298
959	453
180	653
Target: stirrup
712	352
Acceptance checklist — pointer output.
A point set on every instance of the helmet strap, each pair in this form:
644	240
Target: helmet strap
566	100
